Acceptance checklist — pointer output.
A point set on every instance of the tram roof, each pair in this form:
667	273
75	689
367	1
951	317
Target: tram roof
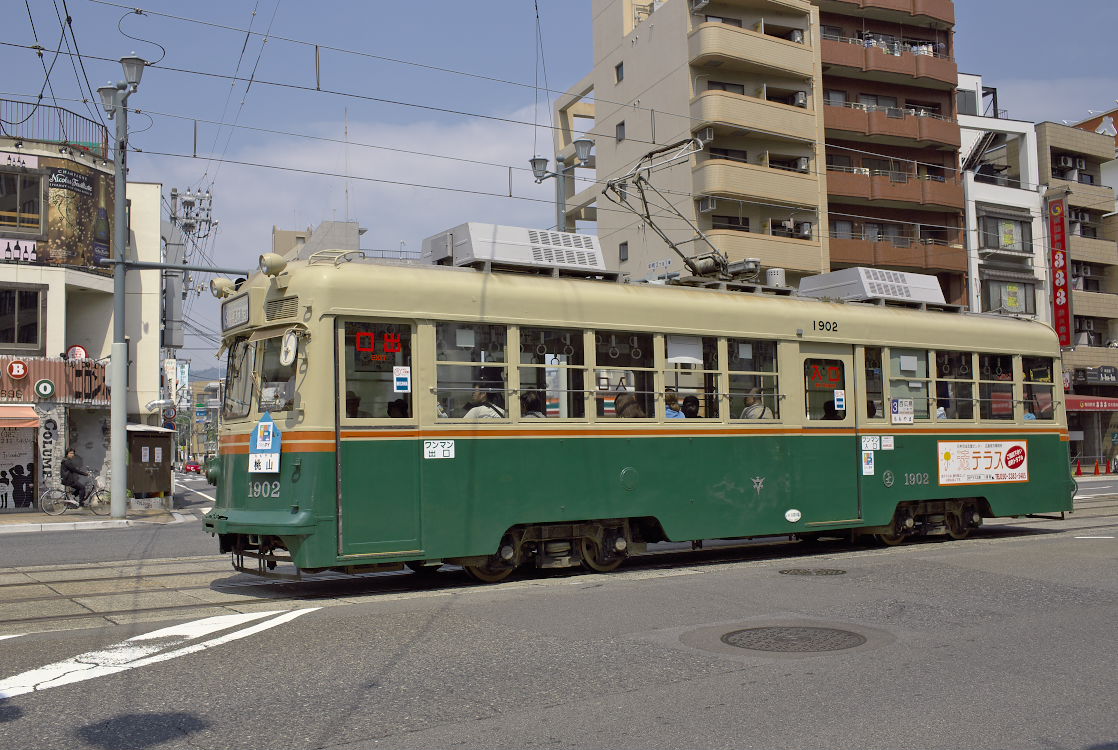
406	290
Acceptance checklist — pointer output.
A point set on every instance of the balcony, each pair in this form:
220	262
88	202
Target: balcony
891	125
723	107
901	11
721	177
803	256
864	185
736	48
46	124
856	250
1083	357
898	65
1097	197
1091	250
1094	305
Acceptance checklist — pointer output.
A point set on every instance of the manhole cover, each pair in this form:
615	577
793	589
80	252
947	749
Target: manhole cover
793	639
813	572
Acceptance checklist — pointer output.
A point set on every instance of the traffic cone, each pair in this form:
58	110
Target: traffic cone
1078	468
1096	467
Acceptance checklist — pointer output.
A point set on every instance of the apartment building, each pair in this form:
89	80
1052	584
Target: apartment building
895	193
1006	235
741	75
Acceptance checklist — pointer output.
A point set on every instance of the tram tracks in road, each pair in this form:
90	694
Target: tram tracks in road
249	592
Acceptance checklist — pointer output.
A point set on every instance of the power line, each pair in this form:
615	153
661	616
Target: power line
67	23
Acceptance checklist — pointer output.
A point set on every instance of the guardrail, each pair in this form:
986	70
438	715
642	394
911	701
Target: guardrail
50	124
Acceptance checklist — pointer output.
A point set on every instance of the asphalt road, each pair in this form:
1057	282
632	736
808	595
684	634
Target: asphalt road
1004	640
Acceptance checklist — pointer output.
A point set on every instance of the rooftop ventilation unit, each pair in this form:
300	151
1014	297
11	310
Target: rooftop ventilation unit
868	284
477	244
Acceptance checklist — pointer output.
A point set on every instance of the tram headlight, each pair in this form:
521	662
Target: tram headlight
221	287
272	264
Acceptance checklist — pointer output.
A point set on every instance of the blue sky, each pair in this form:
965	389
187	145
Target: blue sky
1001	39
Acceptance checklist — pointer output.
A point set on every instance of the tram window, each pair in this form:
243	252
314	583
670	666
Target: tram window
822	377
954	385
239	379
875	384
372	350
552	373
908	379
692	373
995	387
473	382
1038	373
624	379
277	382
754	391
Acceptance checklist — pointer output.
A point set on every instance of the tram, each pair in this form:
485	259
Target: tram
379	414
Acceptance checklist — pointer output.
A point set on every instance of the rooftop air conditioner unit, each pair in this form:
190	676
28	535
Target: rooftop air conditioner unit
803	164
803	229
705	136
474	243
707	204
862	284
796	36
801	99
1080	163
1065	162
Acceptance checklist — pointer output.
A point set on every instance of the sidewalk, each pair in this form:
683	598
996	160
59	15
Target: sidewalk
81	520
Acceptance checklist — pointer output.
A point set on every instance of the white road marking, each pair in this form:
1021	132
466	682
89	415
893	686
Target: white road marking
1094	537
17	635
203	494
142	650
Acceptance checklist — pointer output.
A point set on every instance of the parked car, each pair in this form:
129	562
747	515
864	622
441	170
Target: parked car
192	466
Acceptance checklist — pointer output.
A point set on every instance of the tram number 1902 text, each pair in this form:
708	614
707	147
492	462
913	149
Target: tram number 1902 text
263	489
921	478
830	326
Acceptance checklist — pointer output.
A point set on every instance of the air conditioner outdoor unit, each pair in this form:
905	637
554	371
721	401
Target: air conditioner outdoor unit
801	99
796	36
1081	216
1065	162
1080	163
707	204
803	229
1087	325
705	136
803	164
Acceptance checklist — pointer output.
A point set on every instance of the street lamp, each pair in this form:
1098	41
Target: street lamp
562	166
114	98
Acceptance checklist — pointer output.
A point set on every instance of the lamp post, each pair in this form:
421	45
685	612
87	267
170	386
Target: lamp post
114	98
562	166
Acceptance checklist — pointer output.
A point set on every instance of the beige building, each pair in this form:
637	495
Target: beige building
742	75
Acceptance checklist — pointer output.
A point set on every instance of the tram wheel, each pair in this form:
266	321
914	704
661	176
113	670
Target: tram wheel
417	566
492	571
594	559
892	539
957	528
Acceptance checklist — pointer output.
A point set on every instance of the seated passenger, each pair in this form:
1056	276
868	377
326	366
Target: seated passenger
353	406
531	406
625	406
754	407
690	407
487	398
671	406
829	411
398	409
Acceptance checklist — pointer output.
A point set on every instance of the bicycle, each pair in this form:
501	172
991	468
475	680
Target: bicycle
53	501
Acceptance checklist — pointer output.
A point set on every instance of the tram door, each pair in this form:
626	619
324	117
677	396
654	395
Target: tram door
828	479
378	461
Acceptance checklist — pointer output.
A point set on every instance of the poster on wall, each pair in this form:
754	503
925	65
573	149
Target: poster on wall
79	215
17	468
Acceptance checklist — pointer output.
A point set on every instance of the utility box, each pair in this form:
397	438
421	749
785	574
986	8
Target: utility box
150	456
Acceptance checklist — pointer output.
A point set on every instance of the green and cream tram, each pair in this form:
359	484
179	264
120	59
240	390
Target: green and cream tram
378	414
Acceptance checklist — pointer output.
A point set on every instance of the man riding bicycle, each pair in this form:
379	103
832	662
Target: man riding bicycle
77	477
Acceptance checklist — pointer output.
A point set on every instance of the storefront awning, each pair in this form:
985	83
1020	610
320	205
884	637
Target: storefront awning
18	416
1090	403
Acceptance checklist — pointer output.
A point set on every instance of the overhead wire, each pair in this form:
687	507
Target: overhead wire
46	78
67	24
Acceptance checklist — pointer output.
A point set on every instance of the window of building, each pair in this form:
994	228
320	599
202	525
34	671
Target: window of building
831	32
954	385
619	72
754	387
21	318
1008	296
277	381
372	350
624	375
1005	234
552	373
1088	232
875	384
733	88
1038	373
995	387
692	374
732	154
842	229
834	97
1086	179
623	252
909	379
922	109
839	161
723	19
876	101
619	131
822	377
471	372
21	198
737	223
966	102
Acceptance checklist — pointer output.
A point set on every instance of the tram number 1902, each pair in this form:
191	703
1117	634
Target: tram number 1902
263	489
830	326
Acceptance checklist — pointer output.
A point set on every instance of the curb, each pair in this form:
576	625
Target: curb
110	523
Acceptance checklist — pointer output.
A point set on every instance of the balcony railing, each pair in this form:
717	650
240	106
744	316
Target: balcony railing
49	124
896	112
898	47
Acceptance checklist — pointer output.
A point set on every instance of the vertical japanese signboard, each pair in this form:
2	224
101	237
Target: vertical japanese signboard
1061	283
